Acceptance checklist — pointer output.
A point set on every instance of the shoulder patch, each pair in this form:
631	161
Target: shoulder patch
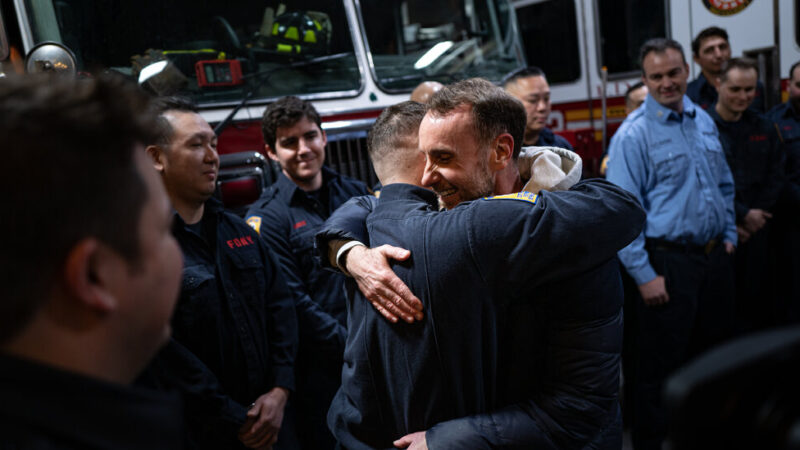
255	222
523	195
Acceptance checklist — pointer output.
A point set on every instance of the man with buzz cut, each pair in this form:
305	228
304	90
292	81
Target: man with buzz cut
518	345
287	216
84	303
668	154
235	312
529	85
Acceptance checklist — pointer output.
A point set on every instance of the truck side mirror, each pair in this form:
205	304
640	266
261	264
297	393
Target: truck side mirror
51	57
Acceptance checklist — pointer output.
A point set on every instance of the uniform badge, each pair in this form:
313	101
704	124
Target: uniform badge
523	195
255	222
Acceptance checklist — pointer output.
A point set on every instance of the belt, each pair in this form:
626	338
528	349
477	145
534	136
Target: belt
681	247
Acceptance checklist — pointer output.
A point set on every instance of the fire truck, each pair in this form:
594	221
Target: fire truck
351	58
589	50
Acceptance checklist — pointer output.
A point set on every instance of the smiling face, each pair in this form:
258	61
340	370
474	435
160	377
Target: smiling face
713	51
457	165
300	151
665	74
534	93
738	90
190	162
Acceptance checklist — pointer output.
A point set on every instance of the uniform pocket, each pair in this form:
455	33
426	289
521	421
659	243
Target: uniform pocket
248	275
671	165
715	156
197	299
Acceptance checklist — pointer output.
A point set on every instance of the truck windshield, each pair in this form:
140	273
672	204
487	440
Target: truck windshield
217	51
411	41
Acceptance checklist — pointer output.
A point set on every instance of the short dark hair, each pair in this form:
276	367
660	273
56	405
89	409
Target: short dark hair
659	45
633	87
69	174
286	112
791	69
737	63
705	34
395	124
494	111
524	72
161	105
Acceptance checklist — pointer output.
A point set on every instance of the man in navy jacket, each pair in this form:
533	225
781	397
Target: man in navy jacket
465	373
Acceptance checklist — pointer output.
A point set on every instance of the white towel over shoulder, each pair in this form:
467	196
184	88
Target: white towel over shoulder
549	168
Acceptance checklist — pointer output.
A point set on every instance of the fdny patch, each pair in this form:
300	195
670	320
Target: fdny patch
524	196
255	222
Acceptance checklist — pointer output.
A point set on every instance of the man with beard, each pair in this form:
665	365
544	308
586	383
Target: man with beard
490	361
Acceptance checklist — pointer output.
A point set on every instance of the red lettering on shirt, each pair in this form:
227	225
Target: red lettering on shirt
787	127
240	242
758	137
300	224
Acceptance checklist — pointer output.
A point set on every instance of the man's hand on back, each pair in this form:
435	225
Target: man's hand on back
413	441
379	284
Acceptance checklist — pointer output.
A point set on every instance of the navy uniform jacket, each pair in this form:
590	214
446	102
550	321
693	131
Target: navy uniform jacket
45	408
788	122
467	266
754	154
705	94
235	312
549	139
287	218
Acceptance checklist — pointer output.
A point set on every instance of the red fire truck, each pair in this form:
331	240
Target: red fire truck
351	58
574	40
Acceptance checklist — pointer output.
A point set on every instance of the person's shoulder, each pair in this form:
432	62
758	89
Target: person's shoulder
561	141
777	112
703	118
634	127
234	224
495	209
269	207
347	182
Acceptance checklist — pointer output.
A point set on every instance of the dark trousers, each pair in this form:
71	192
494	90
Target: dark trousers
786	243
698	315
756	298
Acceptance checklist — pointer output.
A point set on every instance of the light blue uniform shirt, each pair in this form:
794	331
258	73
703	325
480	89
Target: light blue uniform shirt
675	166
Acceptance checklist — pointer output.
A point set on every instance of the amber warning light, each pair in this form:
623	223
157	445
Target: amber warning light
218	73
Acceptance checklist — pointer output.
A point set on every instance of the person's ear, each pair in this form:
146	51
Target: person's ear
156	153
270	153
91	271
502	152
